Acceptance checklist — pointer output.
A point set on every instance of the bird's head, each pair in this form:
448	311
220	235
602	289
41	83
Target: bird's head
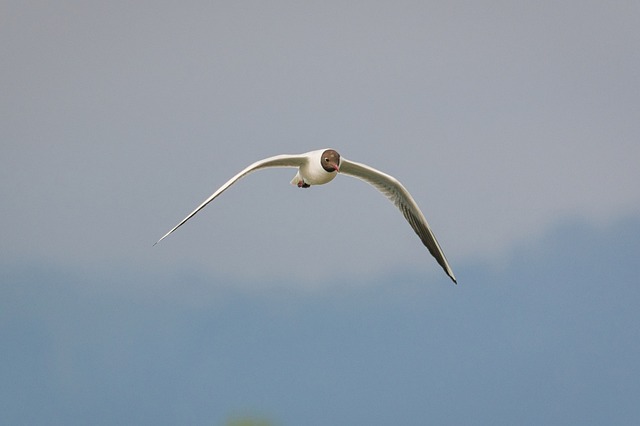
330	161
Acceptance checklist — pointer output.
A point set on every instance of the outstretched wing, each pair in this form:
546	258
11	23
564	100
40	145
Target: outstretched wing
403	200
277	161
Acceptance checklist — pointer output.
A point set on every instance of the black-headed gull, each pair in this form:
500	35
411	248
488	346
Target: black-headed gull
322	166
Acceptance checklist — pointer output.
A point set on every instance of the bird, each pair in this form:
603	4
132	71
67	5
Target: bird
322	166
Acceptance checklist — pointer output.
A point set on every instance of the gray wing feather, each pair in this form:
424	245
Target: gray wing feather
277	161
403	200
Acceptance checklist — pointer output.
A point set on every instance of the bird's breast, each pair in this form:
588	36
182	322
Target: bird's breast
316	175
312	171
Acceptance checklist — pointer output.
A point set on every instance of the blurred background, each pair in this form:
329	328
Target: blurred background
515	126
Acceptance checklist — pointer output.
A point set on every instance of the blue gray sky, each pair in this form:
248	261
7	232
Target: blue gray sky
514	126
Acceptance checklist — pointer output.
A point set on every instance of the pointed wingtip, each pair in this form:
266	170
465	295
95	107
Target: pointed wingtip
163	237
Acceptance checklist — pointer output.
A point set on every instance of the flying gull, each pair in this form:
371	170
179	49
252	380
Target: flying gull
322	166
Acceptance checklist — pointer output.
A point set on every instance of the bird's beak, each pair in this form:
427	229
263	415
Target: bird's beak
336	168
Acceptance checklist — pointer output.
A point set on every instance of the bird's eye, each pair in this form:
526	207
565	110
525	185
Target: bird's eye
326	159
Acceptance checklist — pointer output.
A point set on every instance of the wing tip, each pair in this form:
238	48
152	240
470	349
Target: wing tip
449	273
163	237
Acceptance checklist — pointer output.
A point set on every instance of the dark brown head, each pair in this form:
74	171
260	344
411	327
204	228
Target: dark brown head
330	161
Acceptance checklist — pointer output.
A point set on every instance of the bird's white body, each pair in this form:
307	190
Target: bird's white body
311	171
322	166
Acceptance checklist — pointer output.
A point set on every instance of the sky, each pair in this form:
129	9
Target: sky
515	127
